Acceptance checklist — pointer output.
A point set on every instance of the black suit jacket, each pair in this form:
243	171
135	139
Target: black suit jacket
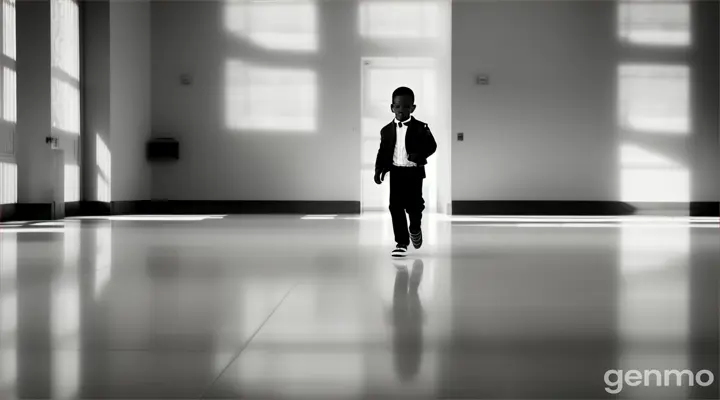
419	143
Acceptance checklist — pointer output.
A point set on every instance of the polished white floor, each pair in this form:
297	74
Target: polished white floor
314	307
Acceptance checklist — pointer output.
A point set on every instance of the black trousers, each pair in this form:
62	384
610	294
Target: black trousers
406	197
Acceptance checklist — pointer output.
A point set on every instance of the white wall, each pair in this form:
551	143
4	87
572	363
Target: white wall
35	159
548	125
130	99
236	159
96	90
221	162
117	102
543	129
706	95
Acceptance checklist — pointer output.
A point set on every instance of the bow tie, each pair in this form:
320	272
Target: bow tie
400	124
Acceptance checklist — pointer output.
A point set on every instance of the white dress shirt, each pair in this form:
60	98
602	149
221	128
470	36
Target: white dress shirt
400	157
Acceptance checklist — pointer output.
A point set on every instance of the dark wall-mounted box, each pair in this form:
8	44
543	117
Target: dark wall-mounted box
163	149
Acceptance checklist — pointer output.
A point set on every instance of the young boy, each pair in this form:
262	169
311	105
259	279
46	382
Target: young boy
405	145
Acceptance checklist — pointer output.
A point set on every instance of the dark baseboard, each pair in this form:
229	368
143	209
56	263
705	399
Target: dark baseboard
693	209
26	212
22	212
8	212
555	208
18	212
237	207
91	208
584	208
705	209
87	208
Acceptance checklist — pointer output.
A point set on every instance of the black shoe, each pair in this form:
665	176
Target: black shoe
400	250
416	238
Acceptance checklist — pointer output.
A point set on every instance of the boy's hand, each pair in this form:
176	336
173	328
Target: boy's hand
415	159
379	176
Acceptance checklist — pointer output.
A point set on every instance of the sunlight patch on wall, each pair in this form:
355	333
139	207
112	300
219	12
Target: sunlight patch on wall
9	29
382	81
655	98
65	49
650	177
655	23
268	98
9	77
65	106
72	183
287	25
104	164
9	98
399	19
8	183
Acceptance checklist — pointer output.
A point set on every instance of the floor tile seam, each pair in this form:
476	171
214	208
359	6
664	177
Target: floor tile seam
248	341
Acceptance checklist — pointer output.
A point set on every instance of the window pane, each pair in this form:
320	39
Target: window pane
9	97
66	37
9	41
655	23
8	183
72	183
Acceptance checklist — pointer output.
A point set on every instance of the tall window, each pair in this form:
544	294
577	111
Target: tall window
65	66
9	90
65	87
8	109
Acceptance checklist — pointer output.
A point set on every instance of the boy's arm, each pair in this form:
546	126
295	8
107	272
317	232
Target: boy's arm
380	168
430	141
429	146
378	159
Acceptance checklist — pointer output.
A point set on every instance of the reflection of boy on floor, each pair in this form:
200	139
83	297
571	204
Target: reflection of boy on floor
405	145
407	319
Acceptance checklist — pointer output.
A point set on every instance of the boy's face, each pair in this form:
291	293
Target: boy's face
402	107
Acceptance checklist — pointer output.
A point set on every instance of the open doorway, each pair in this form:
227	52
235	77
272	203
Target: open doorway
380	76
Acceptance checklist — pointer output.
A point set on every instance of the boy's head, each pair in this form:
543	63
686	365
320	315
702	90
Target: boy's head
403	103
